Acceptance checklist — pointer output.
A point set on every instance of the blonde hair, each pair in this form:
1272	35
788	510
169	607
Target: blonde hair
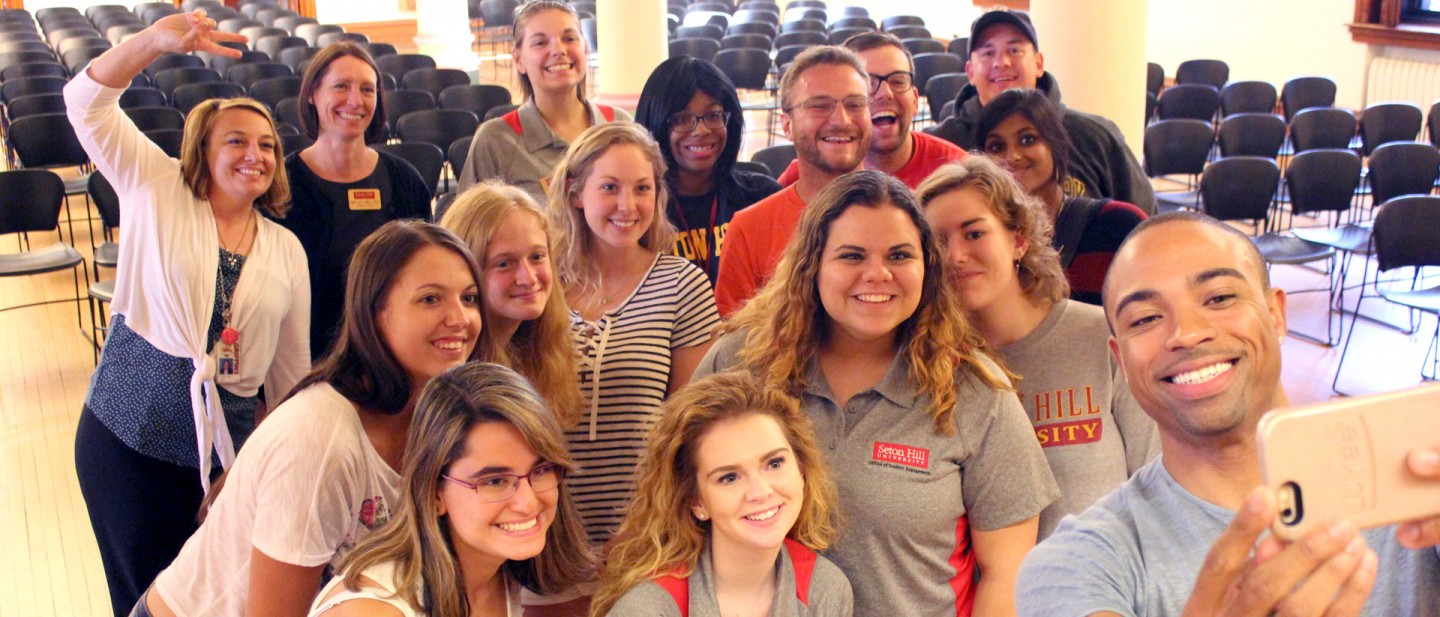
541	349
1041	277
195	165
572	236
517	34
427	571
659	536
786	322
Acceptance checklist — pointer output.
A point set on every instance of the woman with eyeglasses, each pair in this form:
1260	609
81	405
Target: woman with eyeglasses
522	147
694	113
940	477
483	509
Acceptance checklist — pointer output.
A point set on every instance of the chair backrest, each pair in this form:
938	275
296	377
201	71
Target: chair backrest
248	74
959	46
25	86
1239	188
769	30
1154	78
379	49
293	22
168	140
497	13
802	25
434	81
1194	101
105	200
803	38
703	31
223	64
1303	93
458	152
838	36
1240	97
236	24
855	22
1432	124
911	32
747	41
1322	127
496	112
272	45
1384	123
12	58
142	97
475	98
775	158
400	64
1405	232
254	33
942	89
32	104
151	118
923	46
1209	72
168	80
756	16
440	127
190	95
275	89
1403	169
1322	180
401	102
1252	134
930	65
901	20
747	67
288	110
427	158
327	39
46	140
311	32
32	200
702	49
1177	147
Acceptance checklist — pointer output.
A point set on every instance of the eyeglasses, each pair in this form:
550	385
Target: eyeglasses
900	81
502	486
714	120
824	107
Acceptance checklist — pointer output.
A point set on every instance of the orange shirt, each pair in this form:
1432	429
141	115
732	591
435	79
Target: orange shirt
753	244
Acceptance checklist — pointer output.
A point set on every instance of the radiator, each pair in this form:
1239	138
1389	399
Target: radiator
1400	79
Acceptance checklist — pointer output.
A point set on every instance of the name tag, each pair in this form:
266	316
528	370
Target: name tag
364	199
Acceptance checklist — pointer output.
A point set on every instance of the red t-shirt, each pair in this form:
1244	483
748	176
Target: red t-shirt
753	244
930	153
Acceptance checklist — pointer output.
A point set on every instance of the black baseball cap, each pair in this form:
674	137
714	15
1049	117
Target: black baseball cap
1019	19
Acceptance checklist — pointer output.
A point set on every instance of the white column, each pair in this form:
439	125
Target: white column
634	39
1096	50
442	31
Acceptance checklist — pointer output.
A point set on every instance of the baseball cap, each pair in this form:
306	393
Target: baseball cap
1019	19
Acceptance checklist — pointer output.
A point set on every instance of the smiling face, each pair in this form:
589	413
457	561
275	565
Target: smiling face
517	269
1017	144
1002	58
891	113
240	151
344	99
618	196
696	151
550	51
982	251
833	143
750	484
871	273
1196	332
431	316
496	532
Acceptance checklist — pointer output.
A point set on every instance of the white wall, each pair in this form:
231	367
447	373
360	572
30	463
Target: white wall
356	11
1270	40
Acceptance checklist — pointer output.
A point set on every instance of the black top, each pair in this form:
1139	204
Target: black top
331	218
700	239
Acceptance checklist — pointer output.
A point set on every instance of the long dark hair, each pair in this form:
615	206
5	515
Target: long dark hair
360	367
669	90
1037	108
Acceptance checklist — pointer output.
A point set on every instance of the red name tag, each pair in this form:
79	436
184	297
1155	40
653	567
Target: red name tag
909	456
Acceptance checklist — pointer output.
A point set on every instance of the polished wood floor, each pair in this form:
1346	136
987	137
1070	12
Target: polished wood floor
49	564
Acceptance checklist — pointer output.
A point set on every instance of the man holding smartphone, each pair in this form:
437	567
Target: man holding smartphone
1197	330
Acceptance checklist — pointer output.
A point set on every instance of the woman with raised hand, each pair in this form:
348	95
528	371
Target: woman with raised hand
551	58
1011	287
484	509
938	471
343	189
641	318
211	302
1022	130
323	471
737	500
694	113
527	323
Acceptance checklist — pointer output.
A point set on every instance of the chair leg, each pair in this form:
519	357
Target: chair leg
1432	353
1335	383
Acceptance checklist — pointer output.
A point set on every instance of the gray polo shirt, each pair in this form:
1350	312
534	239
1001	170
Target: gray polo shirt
497	151
829	593
908	496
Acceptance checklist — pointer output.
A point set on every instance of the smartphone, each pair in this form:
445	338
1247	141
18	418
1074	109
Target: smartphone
1346	458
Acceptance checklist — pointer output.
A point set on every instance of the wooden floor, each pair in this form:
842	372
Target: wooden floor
49	564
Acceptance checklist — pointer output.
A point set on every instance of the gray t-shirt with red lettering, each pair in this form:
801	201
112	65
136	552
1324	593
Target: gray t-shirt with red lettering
909	497
1092	431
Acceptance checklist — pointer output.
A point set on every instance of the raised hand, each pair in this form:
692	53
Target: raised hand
193	31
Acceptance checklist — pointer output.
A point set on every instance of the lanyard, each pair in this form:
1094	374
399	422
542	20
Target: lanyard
714	211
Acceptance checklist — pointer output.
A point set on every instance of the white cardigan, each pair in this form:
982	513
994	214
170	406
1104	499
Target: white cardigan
165	283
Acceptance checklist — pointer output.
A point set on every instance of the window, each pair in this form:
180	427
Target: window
1420	10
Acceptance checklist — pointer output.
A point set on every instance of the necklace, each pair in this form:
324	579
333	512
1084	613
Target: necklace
228	350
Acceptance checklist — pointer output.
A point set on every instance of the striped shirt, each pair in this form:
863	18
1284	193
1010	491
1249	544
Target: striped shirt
629	349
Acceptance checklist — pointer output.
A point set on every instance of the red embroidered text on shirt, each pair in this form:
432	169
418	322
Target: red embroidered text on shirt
909	456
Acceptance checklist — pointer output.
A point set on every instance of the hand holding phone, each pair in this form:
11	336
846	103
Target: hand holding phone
1347	458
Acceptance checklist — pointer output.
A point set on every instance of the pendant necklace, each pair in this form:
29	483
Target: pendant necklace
227	358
